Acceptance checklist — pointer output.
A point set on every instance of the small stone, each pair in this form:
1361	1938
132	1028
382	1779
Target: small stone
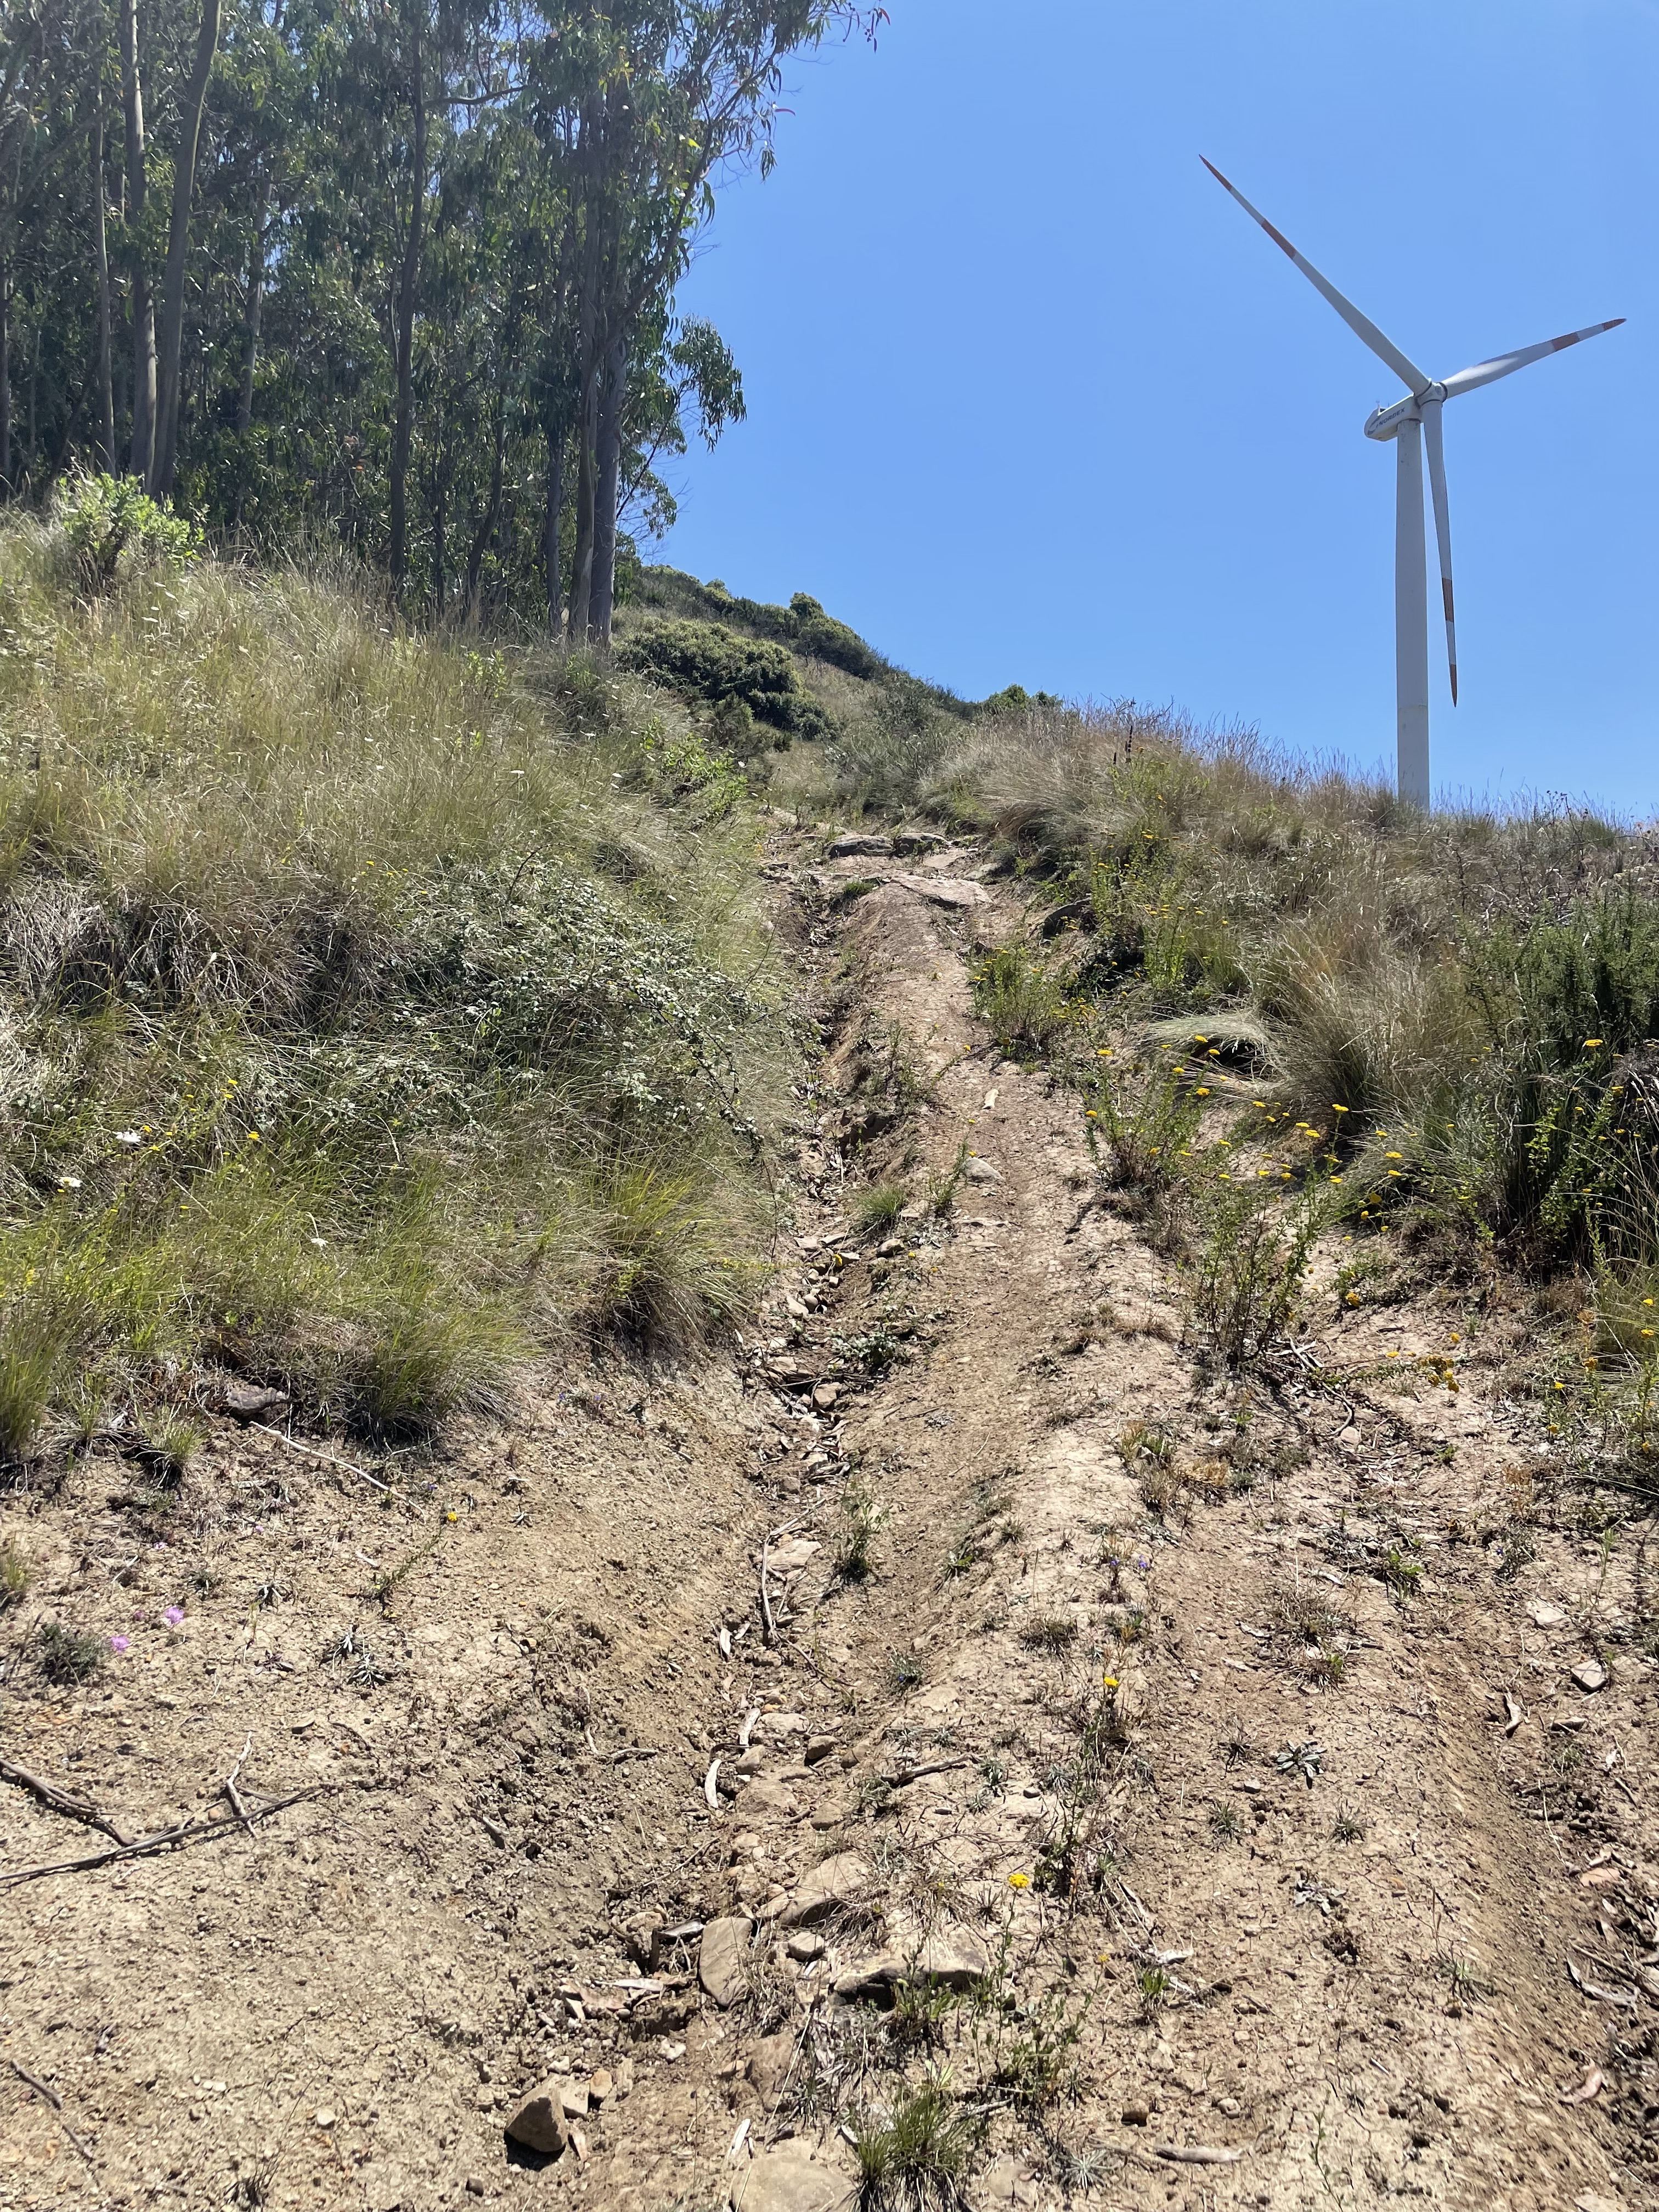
819	1747
601	2085
825	1395
624	2078
788	1558
1542	1614
840	1884
539	2122
1591	1675
805	1946
775	1726
673	2052
475	2185
768	2065
858	845
573	2097
249	1401
1136	2115
979	1170
721	1957
325	2118
1228	2105
946	890
789	2178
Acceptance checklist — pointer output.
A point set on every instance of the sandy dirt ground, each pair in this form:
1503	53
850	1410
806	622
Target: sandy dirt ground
1198	1778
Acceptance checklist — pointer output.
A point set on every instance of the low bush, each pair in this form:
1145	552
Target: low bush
707	661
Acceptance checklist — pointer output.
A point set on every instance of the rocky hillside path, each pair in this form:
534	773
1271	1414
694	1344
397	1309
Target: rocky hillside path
966	1681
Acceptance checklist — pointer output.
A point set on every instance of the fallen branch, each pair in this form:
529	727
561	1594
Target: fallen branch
187	1831
60	1801
43	2089
915	1773
769	1627
1197	2154
228	1786
310	1451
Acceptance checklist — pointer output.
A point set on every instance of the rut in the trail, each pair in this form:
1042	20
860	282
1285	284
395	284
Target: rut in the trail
1242	1899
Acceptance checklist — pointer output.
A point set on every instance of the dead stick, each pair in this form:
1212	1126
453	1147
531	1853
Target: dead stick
328	1458
78	1809
187	1831
52	2098
769	1628
230	1788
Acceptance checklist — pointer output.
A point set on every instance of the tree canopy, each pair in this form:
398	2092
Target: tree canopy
401	271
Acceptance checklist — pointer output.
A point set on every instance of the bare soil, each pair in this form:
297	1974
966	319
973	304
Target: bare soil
1220	1730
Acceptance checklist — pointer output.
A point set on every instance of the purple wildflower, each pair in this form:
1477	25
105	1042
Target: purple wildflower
118	1645
173	1617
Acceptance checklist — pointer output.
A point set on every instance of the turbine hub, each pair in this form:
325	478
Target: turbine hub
1383	423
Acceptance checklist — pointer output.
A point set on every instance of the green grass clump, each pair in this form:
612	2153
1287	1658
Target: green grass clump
877	1210
1024	1007
68	1656
374	1011
918	2154
16	1573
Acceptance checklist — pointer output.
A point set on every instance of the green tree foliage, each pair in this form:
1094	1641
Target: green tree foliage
399	270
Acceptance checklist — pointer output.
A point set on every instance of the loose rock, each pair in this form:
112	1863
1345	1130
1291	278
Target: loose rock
840	1884
721	1958
768	2065
790	2179
539	2123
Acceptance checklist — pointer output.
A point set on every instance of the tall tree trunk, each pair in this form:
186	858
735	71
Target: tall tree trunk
608	488
440	542
581	573
486	530
256	294
100	252
553	527
403	333
169	376
5	381
142	458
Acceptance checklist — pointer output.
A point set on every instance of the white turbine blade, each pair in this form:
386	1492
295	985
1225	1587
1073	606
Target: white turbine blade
1441	528
1361	326
1505	364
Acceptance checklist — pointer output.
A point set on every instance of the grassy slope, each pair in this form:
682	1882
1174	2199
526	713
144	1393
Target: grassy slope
371	1008
1431	1039
424	978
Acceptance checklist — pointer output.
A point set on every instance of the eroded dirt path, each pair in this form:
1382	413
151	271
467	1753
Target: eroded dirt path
1066	1757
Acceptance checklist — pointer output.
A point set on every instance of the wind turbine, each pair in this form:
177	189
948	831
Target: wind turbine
1411	421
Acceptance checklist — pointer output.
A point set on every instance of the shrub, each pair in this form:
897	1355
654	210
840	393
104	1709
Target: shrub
707	661
103	517
1023	1004
1251	1265
1141	1126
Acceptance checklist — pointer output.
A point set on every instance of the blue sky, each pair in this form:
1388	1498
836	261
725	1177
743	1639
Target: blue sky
1031	400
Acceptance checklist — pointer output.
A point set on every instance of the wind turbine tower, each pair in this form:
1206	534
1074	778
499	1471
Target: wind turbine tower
1413	423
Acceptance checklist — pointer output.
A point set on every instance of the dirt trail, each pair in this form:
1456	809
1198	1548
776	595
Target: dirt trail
1320	1926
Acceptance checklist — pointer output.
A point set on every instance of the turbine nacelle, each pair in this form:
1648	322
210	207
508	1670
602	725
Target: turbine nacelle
1383	423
